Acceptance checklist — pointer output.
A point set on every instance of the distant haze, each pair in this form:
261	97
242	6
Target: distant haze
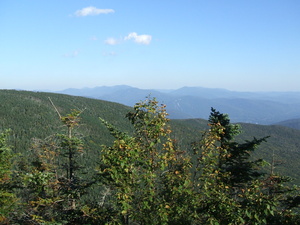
196	102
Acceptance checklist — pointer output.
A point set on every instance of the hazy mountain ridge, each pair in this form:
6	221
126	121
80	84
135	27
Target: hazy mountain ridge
293	123
195	102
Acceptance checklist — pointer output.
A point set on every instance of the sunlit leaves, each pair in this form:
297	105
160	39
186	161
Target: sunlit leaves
147	172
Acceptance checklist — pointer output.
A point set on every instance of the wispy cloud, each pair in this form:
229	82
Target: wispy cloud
144	39
71	54
92	11
111	41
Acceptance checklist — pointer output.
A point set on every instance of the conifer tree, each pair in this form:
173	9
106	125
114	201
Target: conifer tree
147	179
231	187
53	186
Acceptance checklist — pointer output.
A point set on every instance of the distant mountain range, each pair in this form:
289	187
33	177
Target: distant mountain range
196	102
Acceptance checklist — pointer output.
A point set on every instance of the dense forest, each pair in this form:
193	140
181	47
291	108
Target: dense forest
74	160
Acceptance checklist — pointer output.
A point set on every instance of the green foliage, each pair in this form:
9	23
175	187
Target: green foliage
52	186
147	174
232	187
7	197
30	115
152	185
228	194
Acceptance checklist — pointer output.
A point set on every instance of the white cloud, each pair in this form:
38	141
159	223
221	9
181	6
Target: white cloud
144	39
92	11
111	41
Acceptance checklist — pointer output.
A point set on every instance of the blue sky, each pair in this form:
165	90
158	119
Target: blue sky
251	45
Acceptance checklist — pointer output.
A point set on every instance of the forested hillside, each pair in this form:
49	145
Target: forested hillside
31	115
132	153
294	123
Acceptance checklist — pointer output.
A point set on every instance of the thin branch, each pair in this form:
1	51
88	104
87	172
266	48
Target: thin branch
54	107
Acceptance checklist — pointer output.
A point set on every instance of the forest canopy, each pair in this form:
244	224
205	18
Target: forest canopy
144	176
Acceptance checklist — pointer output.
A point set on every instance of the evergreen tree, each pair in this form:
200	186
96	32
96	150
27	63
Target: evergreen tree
52	185
146	178
231	186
